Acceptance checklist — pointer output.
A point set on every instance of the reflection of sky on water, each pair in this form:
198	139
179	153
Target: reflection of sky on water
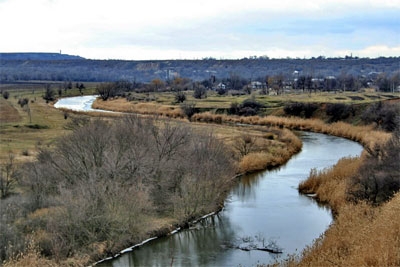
78	103
266	204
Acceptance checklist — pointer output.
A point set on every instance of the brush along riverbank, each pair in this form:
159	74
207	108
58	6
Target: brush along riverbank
364	193
110	183
103	248
365	231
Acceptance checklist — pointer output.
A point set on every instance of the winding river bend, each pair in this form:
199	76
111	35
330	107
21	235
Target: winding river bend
263	208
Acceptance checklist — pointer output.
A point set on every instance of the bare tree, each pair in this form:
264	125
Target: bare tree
106	90
8	176
244	144
49	94
106	179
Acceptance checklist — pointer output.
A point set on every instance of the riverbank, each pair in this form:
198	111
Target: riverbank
364	194
362	234
366	135
260	138
296	123
264	206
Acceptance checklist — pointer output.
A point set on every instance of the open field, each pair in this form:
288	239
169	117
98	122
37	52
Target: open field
219	104
25	129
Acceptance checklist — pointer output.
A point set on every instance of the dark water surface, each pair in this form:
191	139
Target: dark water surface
264	207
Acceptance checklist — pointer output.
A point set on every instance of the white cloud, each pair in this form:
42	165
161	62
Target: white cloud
186	29
378	51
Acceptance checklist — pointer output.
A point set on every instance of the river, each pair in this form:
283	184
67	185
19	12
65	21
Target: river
262	208
78	103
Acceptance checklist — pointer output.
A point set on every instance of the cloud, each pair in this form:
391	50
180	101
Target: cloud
190	29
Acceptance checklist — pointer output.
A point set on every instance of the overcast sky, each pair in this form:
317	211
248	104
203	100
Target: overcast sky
183	29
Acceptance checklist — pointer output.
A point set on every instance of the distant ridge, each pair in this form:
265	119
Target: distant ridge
61	67
37	56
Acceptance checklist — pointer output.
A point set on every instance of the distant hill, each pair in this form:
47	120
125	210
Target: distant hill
61	67
37	56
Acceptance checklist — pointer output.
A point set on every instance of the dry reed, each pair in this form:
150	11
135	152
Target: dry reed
330	184
366	135
121	105
361	236
273	155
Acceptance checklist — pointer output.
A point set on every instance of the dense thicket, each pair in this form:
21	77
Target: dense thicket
299	109
383	114
103	183
249	107
379	177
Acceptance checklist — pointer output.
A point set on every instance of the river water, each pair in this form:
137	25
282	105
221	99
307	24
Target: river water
263	208
77	103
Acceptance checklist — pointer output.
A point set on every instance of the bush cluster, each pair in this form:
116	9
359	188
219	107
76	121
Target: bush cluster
383	115
339	111
298	109
248	107
378	178
23	101
5	94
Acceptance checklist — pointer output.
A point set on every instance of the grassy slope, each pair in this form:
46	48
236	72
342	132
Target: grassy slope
19	132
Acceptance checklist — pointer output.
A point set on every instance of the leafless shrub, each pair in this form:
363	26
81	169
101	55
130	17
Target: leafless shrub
9	175
244	144
103	182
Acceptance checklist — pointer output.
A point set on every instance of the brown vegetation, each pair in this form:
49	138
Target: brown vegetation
80	195
122	105
366	231
8	113
330	185
270	156
361	236
104	184
366	135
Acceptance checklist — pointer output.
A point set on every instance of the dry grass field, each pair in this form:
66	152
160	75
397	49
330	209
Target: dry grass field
213	101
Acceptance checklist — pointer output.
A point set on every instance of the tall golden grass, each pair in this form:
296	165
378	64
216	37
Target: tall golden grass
273	156
330	184
150	108
366	135
360	236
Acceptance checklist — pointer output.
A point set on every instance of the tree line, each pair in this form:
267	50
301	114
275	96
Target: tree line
12	70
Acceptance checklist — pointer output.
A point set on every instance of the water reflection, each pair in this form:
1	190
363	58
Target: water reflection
202	246
246	188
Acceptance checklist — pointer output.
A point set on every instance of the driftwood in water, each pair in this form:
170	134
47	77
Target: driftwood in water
248	244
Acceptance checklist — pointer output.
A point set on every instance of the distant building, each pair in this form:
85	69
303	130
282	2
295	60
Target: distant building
256	85
221	86
171	74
